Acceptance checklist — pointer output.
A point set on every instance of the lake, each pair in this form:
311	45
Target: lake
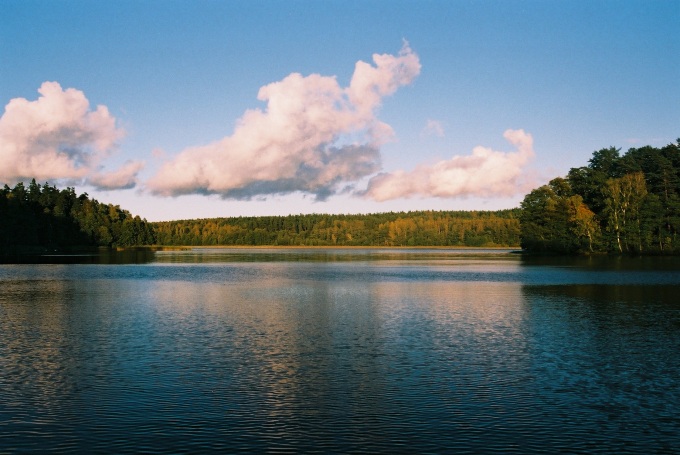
339	351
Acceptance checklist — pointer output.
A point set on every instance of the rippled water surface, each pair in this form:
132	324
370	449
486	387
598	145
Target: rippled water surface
340	351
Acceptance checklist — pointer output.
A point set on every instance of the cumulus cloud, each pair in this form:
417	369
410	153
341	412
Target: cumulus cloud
56	137
314	136
484	173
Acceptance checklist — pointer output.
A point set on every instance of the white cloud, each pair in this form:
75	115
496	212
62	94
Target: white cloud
314	137
56	137
484	173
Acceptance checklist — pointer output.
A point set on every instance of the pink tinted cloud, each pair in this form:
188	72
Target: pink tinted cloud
58	136
124	177
314	136
484	173
433	128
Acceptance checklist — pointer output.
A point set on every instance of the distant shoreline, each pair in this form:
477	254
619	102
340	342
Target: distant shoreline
323	247
32	251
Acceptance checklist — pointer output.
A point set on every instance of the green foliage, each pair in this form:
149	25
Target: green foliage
499	228
546	221
616	204
42	217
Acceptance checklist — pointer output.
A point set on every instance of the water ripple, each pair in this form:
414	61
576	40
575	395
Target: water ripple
337	357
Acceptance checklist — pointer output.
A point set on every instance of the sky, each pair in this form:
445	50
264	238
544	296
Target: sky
199	109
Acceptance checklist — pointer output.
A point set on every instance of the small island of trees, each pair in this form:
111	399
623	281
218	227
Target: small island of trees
618	204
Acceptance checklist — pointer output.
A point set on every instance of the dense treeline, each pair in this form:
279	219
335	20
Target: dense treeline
617	203
626	203
42	217
500	228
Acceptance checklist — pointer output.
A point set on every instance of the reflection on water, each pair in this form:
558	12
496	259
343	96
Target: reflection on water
221	255
92	256
339	351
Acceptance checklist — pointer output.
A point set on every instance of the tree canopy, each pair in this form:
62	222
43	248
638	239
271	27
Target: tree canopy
427	228
626	203
37	218
40	217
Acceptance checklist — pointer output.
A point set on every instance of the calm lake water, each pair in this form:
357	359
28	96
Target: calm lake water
340	351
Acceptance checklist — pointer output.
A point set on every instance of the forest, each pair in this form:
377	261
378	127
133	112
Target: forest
38	218
617	204
41	218
427	228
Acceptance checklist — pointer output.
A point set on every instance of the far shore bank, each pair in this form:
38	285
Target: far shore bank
330	247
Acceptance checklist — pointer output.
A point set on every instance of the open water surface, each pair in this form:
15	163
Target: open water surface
339	351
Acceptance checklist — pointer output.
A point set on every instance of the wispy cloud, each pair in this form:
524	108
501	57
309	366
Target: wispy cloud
57	137
433	128
484	173
314	136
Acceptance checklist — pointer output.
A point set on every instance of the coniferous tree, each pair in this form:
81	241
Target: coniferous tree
42	217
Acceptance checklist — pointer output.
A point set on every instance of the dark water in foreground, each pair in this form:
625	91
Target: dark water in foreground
373	351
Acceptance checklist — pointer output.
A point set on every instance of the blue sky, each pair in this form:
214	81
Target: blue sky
474	103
